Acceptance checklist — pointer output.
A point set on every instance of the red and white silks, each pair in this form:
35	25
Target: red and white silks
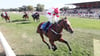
53	15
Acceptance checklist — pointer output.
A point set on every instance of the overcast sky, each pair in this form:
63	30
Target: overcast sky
48	3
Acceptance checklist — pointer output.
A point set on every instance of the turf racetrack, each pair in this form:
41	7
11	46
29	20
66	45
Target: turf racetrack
24	40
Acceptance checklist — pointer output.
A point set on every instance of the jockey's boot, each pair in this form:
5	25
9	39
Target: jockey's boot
47	25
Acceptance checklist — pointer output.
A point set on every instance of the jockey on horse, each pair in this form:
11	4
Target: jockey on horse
54	31
5	16
25	15
53	17
36	16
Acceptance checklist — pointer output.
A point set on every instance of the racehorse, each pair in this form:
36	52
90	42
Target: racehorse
25	16
54	33
5	17
36	17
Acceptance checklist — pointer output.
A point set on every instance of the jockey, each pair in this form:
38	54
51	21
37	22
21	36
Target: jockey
3	13
35	13
53	17
25	13
6	14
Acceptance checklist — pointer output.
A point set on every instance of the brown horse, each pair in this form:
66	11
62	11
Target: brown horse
25	16
54	33
6	17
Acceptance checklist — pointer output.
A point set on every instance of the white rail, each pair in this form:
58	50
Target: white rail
6	46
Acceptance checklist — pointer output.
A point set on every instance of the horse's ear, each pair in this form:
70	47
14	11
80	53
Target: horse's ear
65	17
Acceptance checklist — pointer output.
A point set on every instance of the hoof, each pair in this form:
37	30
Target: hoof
54	49
49	48
70	52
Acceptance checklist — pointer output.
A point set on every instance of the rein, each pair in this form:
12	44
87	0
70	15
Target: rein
54	30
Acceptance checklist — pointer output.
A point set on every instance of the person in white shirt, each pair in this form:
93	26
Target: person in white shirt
53	15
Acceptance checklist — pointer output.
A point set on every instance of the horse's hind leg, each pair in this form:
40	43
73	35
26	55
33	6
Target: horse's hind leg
34	19
62	40
38	19
53	45
44	40
8	19
27	18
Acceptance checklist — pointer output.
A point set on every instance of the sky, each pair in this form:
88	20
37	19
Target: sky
5	4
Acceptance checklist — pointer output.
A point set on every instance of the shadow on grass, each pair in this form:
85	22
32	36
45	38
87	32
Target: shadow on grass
18	20
24	23
21	21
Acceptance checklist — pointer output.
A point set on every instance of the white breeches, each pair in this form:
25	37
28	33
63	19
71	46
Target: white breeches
52	19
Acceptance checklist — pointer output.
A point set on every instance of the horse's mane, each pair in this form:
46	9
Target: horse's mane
60	21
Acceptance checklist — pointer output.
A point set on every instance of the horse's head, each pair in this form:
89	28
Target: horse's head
66	25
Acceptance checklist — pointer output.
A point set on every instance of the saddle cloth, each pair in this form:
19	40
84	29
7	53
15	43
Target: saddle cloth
44	25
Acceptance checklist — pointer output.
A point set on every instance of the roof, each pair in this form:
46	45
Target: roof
82	3
86	2
93	4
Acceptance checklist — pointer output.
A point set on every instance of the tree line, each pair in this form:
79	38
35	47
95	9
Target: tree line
39	7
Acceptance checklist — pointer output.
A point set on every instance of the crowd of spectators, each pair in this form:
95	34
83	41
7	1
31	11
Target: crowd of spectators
89	13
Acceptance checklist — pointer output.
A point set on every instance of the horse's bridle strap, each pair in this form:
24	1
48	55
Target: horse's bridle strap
54	31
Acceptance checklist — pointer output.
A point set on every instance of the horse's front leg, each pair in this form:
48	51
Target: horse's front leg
62	40
6	20
54	48
34	19
44	40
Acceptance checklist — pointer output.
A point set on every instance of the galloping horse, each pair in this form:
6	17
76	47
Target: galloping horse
5	17
25	16
36	17
54	33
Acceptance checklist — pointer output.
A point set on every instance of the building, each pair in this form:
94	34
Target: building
88	9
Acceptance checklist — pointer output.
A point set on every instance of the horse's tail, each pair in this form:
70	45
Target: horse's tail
2	15
38	28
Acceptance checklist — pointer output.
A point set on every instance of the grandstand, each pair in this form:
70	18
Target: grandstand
85	9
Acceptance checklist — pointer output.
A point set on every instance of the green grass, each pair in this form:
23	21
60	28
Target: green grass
85	23
22	37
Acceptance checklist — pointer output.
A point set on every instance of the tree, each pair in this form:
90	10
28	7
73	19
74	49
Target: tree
40	7
24	8
30	8
20	9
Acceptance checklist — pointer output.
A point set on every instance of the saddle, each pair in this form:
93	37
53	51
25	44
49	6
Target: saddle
45	26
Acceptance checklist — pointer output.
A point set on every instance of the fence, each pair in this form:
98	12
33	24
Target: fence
6	46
